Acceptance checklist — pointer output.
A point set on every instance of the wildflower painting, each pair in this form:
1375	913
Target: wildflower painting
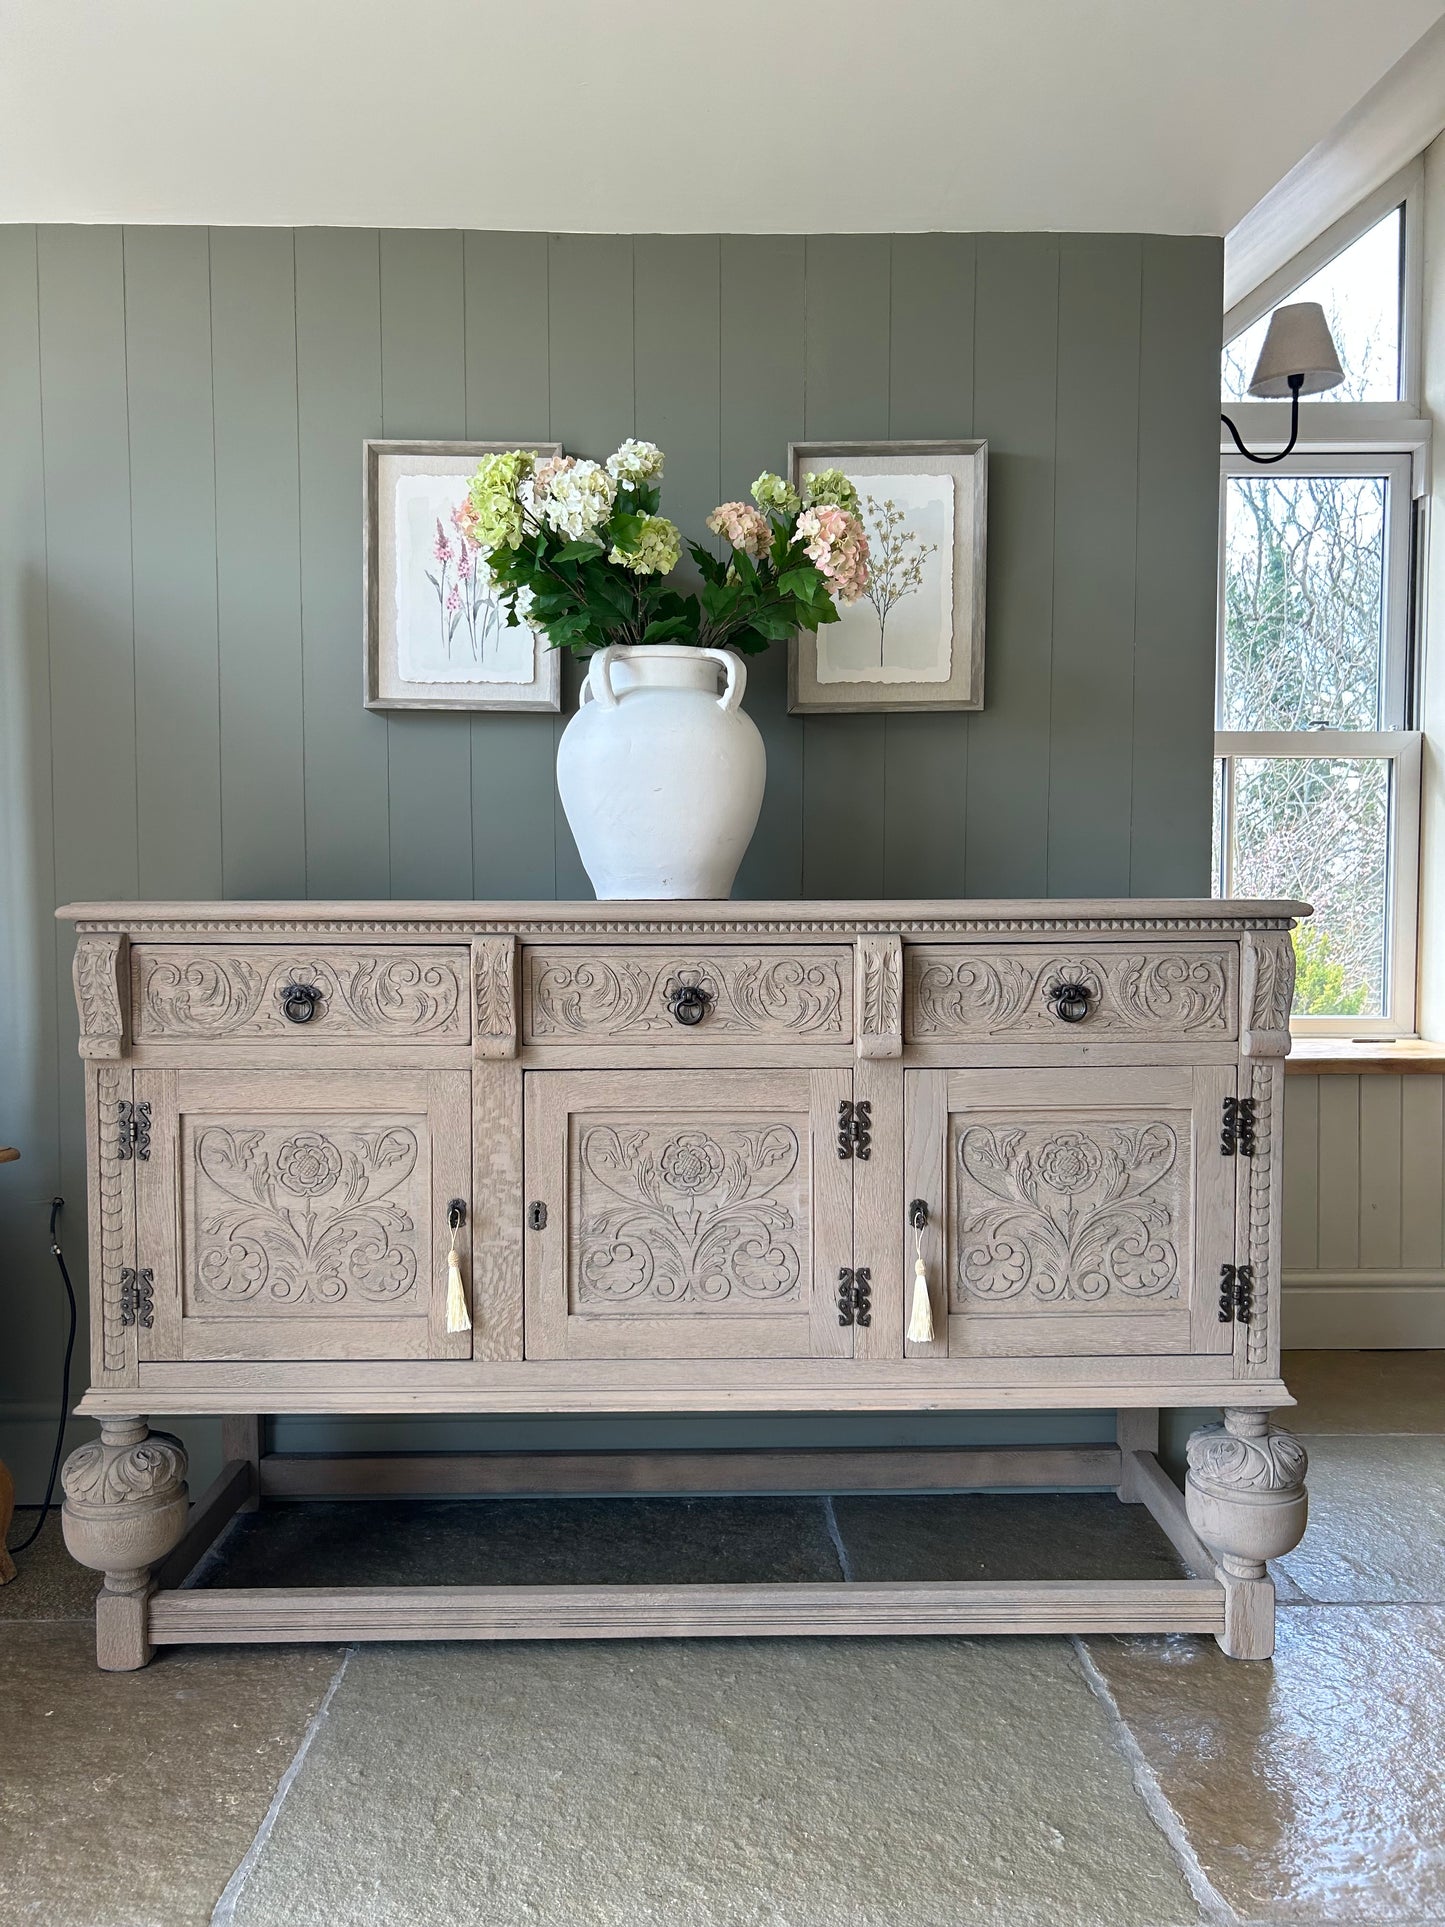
913	637
439	634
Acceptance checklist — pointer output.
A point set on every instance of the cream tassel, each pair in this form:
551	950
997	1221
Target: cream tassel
920	1321
458	1317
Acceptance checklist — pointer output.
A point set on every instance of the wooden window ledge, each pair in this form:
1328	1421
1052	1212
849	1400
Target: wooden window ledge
1314	1056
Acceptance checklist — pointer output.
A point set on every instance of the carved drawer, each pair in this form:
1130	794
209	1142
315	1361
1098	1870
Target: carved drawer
767	993
981	991
217	992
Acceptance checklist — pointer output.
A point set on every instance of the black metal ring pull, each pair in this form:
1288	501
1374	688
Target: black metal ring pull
1070	1002
299	1001
688	1003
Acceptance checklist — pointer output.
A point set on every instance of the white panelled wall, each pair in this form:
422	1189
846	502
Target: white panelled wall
1364	1210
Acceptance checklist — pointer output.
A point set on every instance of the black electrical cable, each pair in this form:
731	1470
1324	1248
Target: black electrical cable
56	1205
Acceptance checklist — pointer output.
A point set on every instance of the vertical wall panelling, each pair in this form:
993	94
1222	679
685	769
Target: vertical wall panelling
592	330
762	329
423	394
508	399
1173	694
846	400
930	396
1339	1219
1421	1166
258	562
1095	526
678	373
338	385
1016	321
173	558
1301	1233
1380	1107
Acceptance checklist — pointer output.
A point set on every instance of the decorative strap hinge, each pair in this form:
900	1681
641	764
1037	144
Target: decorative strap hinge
855	1295
137	1298
855	1128
1236	1294
1236	1130
133	1125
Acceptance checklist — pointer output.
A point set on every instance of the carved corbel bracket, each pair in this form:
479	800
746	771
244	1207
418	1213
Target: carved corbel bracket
101	973
494	996
878	996
1266	994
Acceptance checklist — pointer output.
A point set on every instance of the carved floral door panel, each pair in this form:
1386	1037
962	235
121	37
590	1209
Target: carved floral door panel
1073	1212
688	1214
303	1214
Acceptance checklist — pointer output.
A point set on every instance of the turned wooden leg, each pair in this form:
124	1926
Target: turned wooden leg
1245	1496
125	1509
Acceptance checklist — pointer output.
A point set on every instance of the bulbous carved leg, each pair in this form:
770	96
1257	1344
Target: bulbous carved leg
125	1509
1245	1496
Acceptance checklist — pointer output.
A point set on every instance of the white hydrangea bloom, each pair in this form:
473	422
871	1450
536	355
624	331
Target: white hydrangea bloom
579	500
636	462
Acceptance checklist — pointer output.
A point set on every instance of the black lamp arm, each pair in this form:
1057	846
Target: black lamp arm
1296	382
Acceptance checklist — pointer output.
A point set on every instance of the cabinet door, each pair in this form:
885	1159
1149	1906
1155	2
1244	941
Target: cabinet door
303	1214
1074	1211
689	1214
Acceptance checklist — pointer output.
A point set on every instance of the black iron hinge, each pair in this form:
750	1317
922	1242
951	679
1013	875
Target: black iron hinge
855	1295
137	1298
133	1122
855	1128
1236	1130
1236	1294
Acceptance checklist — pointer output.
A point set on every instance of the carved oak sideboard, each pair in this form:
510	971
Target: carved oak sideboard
695	1157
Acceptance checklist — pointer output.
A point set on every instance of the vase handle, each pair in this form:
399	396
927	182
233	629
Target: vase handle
598	685
737	677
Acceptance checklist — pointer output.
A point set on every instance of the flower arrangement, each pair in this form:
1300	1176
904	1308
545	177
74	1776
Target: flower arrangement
579	550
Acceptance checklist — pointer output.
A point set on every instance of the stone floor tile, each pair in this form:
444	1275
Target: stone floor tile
1086	1535
497	1542
48	1584
717	1783
1311	1790
127	1799
1377	1521
1365	1391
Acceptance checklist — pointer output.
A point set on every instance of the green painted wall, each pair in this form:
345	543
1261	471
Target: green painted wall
181	415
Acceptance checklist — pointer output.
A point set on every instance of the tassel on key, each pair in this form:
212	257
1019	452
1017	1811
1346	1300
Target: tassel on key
458	1317
920	1319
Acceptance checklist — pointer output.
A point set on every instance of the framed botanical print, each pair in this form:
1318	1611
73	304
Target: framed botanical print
914	640
435	635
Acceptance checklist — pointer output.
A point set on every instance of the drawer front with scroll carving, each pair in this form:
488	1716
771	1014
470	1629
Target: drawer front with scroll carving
980	991
220	992
647	995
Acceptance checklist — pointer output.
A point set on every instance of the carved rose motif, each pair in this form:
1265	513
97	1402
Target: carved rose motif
692	1162
308	1164
1068	1163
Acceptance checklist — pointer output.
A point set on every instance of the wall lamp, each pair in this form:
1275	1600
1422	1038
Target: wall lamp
1298	358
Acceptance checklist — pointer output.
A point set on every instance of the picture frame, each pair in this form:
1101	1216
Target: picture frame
917	643
428	607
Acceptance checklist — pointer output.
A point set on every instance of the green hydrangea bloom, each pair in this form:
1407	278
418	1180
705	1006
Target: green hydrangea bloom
496	514
830	485
658	548
772	492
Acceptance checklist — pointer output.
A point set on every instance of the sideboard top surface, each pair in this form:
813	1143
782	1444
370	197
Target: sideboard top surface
910	917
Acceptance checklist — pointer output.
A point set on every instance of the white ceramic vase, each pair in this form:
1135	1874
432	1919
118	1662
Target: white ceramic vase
660	773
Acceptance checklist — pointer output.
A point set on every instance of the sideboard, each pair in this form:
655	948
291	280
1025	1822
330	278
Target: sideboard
359	1158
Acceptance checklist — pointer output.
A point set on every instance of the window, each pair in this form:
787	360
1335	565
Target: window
1317	791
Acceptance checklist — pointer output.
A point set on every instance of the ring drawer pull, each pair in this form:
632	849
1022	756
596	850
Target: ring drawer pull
1069	1001
688	1003
299	1002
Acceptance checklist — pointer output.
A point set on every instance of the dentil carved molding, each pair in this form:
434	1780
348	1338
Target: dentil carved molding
747	994
367	993
708	1216
1049	1213
981	993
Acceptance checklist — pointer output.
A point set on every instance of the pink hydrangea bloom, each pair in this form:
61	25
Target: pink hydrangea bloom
545	473
834	542
740	524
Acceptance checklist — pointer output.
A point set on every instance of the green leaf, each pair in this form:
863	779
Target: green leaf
666	628
800	582
579	552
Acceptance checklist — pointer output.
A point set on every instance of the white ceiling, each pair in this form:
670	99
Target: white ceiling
1171	116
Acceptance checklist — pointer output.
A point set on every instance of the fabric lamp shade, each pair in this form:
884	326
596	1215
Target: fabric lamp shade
1298	342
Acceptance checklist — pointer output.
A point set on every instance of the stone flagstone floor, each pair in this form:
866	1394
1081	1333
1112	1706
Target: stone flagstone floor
892	1783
